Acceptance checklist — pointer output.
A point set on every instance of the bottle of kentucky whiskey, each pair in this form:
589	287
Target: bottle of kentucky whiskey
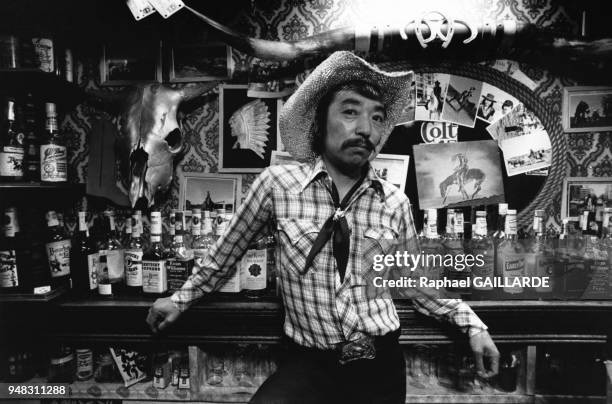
11	145
53	152
154	276
13	268
133	259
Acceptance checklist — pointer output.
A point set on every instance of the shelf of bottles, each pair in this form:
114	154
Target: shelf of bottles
232	373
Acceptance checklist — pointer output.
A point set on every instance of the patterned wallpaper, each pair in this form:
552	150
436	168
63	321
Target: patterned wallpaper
590	154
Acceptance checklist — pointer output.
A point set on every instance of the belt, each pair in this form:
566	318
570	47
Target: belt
363	348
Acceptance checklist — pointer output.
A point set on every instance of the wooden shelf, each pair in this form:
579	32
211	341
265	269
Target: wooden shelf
42	186
568	399
31	297
45	86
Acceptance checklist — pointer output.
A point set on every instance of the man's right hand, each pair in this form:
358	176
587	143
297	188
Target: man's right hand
163	313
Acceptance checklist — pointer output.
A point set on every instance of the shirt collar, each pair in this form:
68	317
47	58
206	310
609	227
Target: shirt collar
318	169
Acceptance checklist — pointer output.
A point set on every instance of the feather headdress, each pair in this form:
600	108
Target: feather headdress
250	124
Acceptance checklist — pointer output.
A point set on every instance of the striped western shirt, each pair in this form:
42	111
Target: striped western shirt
320	310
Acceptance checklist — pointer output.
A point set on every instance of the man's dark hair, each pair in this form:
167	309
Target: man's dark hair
363	88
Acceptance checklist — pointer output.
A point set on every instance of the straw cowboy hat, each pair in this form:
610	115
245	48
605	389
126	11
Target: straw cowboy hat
297	117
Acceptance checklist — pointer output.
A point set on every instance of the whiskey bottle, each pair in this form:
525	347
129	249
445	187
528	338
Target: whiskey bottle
432	247
32	143
53	152
114	253
539	260
181	262
127	231
58	251
511	257
133	259
154	276
453	246
83	260
11	145
481	245
105	286
202	243
13	275
253	270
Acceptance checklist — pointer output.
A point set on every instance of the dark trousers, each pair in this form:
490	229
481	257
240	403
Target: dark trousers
314	376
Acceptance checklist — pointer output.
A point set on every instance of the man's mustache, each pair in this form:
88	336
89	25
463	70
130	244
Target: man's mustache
358	143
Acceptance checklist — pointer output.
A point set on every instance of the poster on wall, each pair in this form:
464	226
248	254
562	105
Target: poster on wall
223	189
494	103
461	101
430	93
526	153
458	174
247	130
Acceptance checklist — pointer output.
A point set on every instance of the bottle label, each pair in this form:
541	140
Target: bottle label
154	277
253	270
459	223
510	225
53	163
178	272
43	47
133	268
92	267
115	263
481	226
58	254
84	364
82	221
11	162
513	266
8	269
105	289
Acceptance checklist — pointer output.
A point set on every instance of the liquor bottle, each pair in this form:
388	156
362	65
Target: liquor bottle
539	259
133	255
11	145
202	243
83	260
481	245
253	270
432	247
168	237
58	251
105	286
12	260
154	277
127	231
453	246
271	268
181	262
114	253
511	257
32	144
53	152
221	222
498	234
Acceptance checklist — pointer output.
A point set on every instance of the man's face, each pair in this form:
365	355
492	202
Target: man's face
353	129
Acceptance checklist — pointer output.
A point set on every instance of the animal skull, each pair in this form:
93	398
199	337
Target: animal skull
150	135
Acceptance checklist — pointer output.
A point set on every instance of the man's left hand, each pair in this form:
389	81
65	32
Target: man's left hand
483	346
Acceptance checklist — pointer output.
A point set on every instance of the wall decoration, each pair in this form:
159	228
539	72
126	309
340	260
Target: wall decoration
585	193
392	168
430	94
461	100
587	109
494	103
124	63
282	157
264	83
439	132
526	153
200	62
224	190
520	121
409	112
458	174
247	130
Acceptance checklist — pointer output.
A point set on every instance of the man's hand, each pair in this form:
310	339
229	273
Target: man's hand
162	314
483	346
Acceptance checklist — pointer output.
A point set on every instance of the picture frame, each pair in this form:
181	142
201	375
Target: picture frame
199	62
240	149
577	190
585	107
393	168
124	64
224	188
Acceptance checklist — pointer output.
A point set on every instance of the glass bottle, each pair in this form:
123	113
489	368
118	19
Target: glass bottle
58	251
133	259
539	259
53	152
127	232
13	268
11	145
114	253
154	276
253	268
180	265
432	247
511	257
32	143
83	260
481	246
202	243
453	246
105	286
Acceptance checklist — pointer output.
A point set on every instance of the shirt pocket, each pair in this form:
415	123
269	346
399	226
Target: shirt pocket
377	243
297	237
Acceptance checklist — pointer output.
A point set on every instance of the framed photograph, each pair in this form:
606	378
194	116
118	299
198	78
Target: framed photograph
247	130
282	157
494	103
125	63
200	62
393	168
461	102
585	193
587	109
458	174
430	95
224	190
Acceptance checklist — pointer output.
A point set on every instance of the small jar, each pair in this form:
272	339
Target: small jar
84	359
62	367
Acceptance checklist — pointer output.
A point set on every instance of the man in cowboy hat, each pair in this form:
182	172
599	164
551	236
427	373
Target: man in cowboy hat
343	346
487	109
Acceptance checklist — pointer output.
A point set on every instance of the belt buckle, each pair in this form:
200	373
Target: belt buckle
363	348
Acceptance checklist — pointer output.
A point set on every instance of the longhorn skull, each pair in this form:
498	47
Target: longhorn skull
150	134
